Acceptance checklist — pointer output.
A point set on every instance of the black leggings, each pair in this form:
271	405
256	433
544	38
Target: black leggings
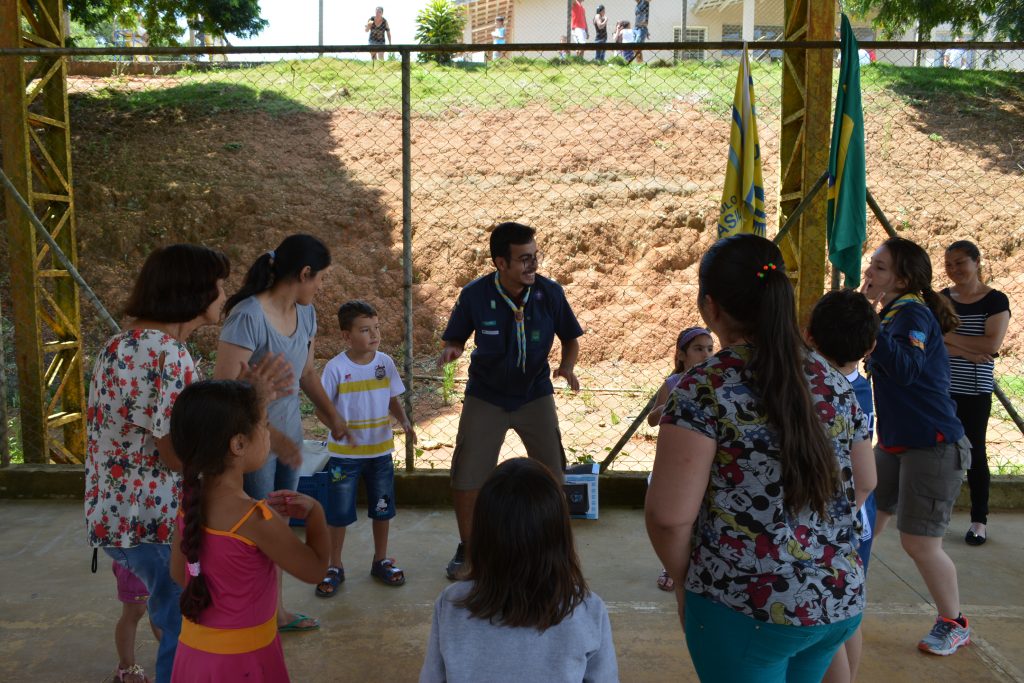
974	411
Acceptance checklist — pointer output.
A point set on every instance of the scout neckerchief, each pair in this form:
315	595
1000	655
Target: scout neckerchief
889	313
520	320
899	303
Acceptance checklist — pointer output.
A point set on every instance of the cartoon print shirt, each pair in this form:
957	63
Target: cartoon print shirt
910	373
750	555
130	496
361	393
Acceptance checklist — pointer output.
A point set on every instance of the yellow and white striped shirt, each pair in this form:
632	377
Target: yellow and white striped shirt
361	393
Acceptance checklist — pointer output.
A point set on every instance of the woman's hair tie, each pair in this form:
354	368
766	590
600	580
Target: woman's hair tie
271	254
193	569
765	268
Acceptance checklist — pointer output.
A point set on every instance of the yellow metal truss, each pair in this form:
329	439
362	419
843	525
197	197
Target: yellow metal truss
805	139
36	145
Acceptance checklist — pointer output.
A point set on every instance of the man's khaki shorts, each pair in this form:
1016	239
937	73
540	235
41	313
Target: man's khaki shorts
920	485
482	430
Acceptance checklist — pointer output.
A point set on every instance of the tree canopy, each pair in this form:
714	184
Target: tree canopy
160	18
972	18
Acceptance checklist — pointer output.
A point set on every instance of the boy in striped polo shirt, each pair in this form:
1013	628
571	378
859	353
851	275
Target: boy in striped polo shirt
364	386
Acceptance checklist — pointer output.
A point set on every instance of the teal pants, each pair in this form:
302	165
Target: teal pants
729	647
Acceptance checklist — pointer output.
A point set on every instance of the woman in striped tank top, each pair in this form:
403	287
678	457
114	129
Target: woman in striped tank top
984	315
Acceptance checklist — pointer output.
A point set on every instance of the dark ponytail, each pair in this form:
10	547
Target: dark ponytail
746	277
286	262
911	264
206	416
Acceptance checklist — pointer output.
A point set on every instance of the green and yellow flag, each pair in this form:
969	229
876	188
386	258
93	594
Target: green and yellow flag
847	175
743	195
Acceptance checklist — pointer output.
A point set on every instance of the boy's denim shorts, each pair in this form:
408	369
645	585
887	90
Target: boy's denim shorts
379	475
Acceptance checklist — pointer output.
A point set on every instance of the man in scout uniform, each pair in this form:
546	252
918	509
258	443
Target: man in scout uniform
515	315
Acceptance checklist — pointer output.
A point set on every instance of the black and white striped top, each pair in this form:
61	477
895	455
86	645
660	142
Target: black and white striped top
967	377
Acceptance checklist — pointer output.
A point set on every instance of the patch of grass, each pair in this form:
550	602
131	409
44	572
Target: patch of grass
306	407
448	383
329	83
14	441
1012	386
918	85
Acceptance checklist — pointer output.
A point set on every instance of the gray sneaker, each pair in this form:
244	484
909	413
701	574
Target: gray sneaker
454	569
946	637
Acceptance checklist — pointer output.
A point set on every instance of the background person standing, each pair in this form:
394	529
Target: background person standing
600	31
377	27
640	16
579	25
514	315
984	315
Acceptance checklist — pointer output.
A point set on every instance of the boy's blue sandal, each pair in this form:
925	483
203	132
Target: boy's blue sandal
386	571
294	625
329	586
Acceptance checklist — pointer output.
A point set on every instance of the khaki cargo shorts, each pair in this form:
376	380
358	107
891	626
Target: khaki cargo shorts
920	485
482	430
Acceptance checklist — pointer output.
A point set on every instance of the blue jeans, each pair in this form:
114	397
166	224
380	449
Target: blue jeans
729	647
151	562
273	476
599	54
378	474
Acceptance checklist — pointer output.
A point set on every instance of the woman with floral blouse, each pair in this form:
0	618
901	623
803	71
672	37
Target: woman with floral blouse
132	481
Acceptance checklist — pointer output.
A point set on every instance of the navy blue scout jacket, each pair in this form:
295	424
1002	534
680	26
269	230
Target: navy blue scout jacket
493	374
910	371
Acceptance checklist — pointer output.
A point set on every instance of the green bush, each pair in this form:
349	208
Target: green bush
440	22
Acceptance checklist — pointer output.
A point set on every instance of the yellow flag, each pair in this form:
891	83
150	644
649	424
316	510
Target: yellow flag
742	207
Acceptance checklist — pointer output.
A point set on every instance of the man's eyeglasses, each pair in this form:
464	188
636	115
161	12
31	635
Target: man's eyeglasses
530	259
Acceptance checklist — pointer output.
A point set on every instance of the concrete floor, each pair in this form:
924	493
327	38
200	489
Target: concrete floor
57	619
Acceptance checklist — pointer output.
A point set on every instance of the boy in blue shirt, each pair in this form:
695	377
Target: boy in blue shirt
364	386
843	328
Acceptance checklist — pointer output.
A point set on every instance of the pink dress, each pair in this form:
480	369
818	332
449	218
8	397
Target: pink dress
237	638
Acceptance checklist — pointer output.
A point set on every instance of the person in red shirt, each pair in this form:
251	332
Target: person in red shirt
579	25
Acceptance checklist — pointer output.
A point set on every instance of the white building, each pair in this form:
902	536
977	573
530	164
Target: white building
544	21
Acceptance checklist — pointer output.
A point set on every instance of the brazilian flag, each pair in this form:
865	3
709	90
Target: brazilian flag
847	175
742	207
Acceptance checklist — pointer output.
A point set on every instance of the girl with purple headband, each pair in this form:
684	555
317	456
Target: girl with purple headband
693	345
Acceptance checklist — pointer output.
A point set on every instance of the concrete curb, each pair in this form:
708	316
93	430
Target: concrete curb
423	488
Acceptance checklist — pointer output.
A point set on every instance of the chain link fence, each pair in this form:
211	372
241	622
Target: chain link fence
619	167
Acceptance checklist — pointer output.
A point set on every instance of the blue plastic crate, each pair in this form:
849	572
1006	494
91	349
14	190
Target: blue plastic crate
314	486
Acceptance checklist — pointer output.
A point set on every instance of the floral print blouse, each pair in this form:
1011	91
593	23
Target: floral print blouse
130	496
749	554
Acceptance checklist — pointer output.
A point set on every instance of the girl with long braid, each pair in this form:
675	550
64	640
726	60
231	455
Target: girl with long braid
763	456
230	545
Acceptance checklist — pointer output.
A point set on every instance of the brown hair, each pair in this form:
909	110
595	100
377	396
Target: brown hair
522	560
177	283
203	421
746	277
911	264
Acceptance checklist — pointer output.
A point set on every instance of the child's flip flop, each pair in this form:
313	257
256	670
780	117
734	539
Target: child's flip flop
335	577
293	626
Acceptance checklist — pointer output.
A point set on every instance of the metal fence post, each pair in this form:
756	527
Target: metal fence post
5	446
410	449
